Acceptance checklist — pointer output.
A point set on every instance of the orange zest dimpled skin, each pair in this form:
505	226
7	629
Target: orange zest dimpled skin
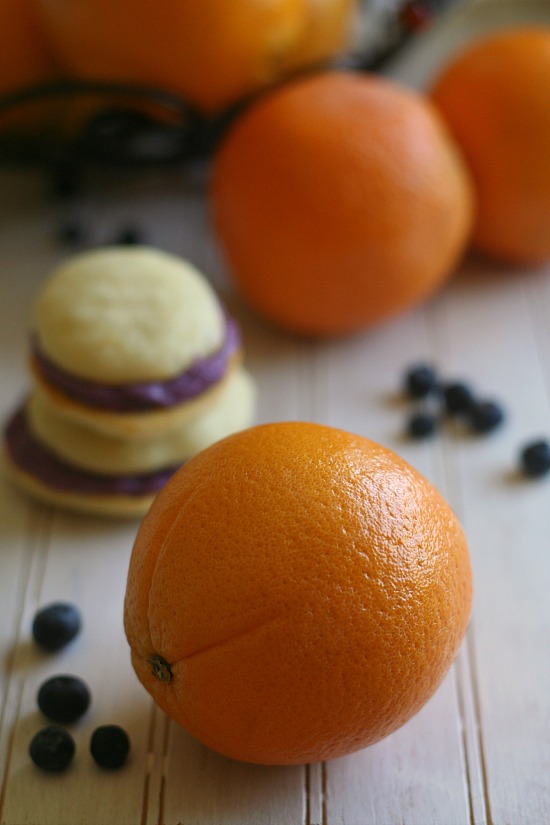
296	593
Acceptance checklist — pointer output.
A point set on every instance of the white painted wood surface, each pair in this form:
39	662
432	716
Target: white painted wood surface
479	752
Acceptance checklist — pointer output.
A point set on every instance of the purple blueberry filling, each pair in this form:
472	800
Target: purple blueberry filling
139	397
35	459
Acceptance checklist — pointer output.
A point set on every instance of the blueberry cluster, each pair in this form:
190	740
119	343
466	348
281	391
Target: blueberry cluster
456	400
52	749
65	698
71	231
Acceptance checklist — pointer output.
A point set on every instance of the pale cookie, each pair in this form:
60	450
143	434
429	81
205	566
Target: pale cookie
119	506
127	314
138	425
95	452
135	368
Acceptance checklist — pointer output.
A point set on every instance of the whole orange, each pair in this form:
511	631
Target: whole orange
296	593
26	55
213	52
27	59
339	200
495	96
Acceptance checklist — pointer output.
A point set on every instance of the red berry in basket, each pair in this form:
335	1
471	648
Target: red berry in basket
415	15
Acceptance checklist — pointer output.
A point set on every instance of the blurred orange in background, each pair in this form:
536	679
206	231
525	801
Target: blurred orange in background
26	54
212	52
495	96
27	57
339	200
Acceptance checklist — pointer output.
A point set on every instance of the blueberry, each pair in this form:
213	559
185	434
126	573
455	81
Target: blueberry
52	749
457	397
56	625
71	232
535	458
129	236
420	380
485	416
65	181
422	425
64	698
109	746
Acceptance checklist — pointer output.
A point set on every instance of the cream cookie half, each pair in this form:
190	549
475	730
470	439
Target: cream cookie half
127	314
138	425
95	452
48	477
112	506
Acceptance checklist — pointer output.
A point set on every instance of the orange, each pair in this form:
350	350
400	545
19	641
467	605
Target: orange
339	200
26	55
495	96
296	593
213	52
27	58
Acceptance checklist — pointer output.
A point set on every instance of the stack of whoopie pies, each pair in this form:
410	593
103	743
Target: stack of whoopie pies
136	367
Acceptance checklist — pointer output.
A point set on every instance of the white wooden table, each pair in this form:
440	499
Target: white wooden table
479	752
